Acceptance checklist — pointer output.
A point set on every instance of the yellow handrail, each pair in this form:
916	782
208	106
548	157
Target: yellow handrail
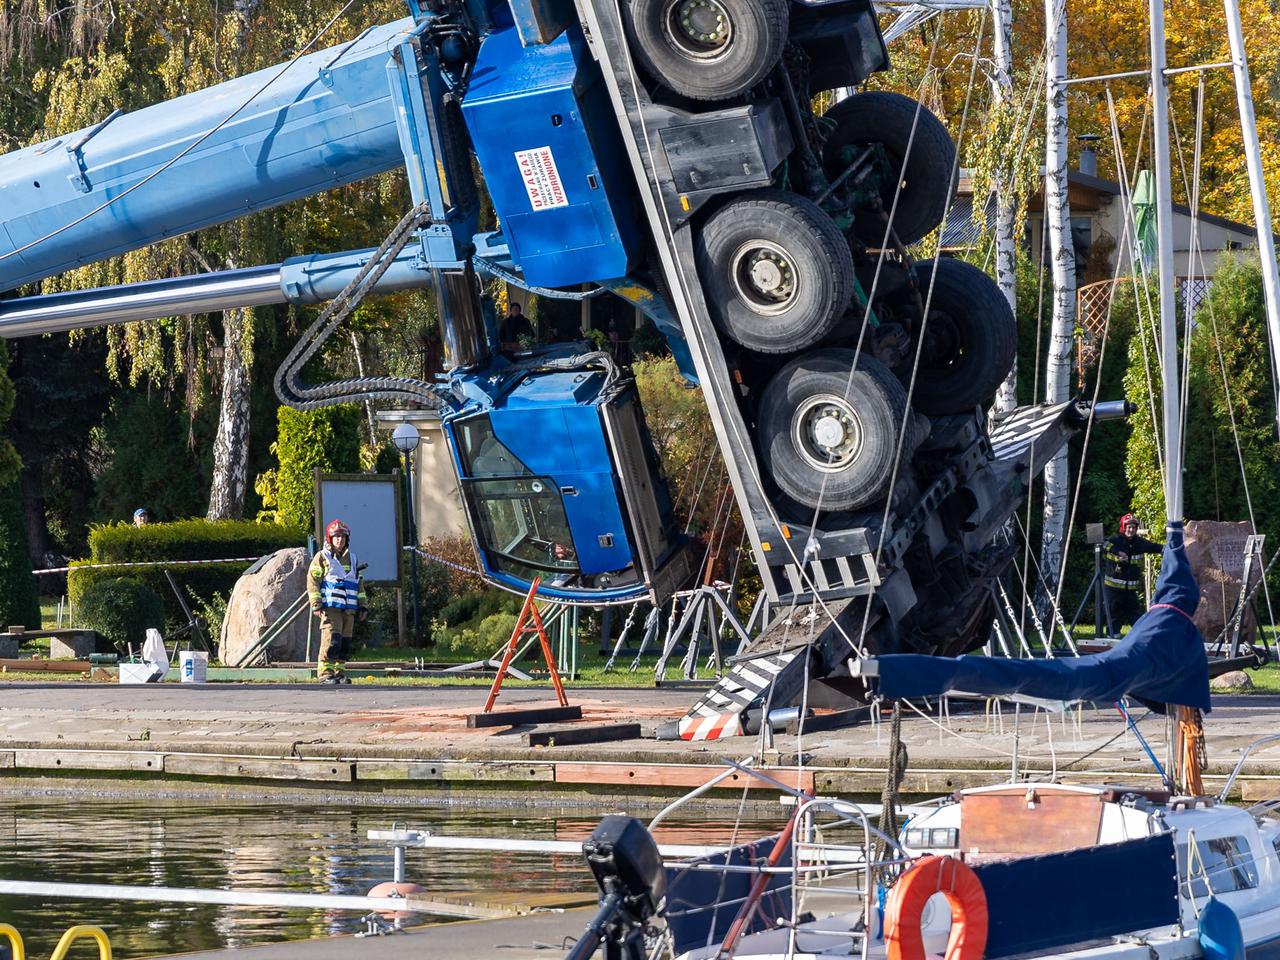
81	932
15	941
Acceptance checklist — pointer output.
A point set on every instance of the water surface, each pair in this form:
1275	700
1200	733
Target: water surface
321	849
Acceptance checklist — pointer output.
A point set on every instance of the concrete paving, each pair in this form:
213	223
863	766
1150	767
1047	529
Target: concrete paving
304	724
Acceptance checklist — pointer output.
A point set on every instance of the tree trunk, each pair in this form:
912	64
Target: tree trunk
39	540
231	446
1058	223
1006	205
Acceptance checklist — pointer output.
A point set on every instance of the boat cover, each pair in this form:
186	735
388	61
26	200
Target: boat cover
1161	661
1038	903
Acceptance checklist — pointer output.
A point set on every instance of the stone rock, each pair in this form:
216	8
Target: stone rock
260	596
1235	680
1216	551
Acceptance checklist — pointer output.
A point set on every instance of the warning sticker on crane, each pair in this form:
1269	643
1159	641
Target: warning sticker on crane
541	178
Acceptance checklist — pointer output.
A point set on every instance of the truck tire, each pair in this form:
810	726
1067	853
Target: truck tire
708	49
776	269
887	119
970	338
828	439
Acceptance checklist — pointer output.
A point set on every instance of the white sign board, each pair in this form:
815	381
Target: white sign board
370	506
541	178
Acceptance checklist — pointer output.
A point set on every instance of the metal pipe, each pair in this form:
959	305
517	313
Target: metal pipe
422	841
207	293
1113	410
1257	183
309	279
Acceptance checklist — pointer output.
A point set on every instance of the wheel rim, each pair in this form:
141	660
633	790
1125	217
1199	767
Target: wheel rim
943	345
827	432
765	276
698	29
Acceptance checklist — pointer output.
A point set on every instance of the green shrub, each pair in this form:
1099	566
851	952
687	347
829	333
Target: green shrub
182	540
121	609
480	640
329	439
18	602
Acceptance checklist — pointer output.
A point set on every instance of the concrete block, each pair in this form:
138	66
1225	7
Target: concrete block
6	760
73	646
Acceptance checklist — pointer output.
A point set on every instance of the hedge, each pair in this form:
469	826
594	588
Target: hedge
121	609
181	540
328	438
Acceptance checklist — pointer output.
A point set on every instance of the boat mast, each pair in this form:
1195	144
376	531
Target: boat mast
1257	185
1165	269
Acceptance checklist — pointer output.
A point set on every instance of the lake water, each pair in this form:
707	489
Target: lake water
310	850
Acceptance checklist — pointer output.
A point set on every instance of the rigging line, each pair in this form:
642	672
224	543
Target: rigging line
883	252
1040	578
1031	97
1126	198
1097	387
187	149
1035	392
924	321
1191	186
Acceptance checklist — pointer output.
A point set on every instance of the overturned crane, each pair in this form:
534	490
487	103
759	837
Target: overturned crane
665	151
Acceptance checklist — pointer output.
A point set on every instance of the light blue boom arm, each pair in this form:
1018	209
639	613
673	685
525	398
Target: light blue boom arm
328	120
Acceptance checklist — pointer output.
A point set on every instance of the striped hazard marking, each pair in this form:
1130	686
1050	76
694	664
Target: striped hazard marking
719	713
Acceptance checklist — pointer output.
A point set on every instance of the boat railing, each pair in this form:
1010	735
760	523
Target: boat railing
816	860
1231	780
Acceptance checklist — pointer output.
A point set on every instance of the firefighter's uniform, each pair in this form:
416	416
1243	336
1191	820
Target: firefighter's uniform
336	590
1123	579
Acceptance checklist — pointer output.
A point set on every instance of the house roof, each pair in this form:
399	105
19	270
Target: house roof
1087	192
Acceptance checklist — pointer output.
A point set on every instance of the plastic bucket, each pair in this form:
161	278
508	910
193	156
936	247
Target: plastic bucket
193	666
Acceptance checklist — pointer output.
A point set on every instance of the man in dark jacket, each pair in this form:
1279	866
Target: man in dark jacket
1121	577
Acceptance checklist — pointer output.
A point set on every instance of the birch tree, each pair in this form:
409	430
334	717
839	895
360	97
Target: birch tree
1004	187
1057	220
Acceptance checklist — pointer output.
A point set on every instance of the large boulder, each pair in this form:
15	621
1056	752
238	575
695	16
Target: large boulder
1215	549
261	595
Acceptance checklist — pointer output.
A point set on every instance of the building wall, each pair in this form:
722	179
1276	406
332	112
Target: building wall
438	503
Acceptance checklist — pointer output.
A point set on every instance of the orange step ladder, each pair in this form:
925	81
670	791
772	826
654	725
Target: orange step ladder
528	623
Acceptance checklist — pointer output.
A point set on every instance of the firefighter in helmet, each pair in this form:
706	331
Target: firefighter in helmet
337	595
1121	577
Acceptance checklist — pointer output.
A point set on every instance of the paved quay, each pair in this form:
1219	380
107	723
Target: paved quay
414	742
534	937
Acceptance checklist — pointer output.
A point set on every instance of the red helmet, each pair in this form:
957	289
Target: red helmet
334	528
1123	520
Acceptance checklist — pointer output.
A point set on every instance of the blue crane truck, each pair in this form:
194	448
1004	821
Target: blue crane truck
688	156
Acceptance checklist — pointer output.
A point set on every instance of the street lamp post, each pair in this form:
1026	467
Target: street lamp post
406	439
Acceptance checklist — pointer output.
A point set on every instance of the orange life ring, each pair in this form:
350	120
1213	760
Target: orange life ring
905	907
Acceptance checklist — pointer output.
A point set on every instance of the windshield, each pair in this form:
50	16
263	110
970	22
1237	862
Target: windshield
483	454
523	520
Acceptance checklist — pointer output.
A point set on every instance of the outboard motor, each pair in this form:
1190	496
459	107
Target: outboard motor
628	868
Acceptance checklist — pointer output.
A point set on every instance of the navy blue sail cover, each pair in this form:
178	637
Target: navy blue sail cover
1161	661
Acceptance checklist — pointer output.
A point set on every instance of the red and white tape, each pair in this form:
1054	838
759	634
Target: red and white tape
145	563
